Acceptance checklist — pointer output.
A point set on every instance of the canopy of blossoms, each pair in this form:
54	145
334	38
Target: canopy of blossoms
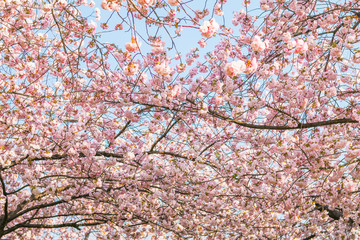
252	132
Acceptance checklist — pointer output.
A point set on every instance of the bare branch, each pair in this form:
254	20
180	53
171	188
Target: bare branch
299	126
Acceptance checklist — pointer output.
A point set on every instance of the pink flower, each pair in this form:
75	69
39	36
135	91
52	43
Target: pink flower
71	151
251	65
105	5
92	26
202	43
301	46
356	58
174	2
47	7
162	69
264	5
175	90
234	68
180	68
133	45
146	3
158	50
119	27
178	30
209	28
60	57
351	38
218	100
350	185
217	10
202	14
91	4
104	25
331	92
158	46
286	37
257	44
336	52
131	69
311	42
129	155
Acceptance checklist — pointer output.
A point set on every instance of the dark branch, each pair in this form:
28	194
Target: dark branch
310	237
73	225
163	135
168	153
122	130
335	214
17	214
5	218
299	126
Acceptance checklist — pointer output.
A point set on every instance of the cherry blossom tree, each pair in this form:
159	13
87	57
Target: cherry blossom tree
165	120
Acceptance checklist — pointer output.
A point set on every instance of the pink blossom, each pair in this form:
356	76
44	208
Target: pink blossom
202	14
91	4
158	46
311	42
119	27
209	28
356	58
178	30
331	92
301	46
336	52
47	7
217	10
246	3
129	155
72	151
174	91
174	2
131	69
60	57
92	26
104	25
350	185
158	50
98	14
133	45
218	100
146	3
234	68
251	66
286	37
264	5
202	43
180	68
257	44
291	44
105	5
162	69
351	38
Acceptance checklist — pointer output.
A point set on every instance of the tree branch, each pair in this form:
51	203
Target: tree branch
163	135
122	130
16	214
5	218
72	224
335	214
310	237
299	126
